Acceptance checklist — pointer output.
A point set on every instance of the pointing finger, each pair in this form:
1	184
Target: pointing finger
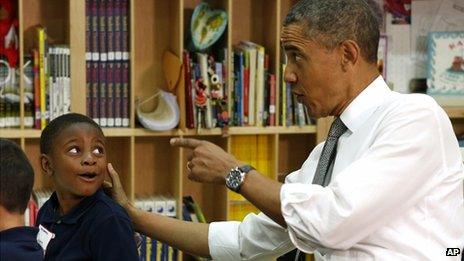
185	142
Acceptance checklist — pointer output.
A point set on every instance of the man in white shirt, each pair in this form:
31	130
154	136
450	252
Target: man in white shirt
396	185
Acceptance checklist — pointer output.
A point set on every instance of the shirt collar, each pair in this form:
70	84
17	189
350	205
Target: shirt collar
75	213
362	107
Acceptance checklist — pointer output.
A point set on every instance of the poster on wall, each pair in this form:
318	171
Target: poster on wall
445	67
382	56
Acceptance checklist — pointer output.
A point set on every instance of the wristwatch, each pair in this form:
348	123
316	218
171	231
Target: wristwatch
236	177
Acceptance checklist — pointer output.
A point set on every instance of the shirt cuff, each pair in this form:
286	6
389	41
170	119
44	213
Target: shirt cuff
223	247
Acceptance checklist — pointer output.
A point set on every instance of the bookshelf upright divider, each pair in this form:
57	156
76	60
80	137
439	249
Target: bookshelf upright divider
76	36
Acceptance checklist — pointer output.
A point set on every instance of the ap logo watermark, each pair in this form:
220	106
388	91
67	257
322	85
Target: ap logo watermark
451	251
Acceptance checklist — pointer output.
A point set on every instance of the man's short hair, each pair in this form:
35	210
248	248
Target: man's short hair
330	22
16	177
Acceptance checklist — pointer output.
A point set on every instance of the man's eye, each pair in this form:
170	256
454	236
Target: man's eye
297	57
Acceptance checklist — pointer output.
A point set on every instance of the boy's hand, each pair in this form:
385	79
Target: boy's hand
114	188
208	163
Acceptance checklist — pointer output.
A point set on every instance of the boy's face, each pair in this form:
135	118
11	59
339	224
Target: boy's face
77	161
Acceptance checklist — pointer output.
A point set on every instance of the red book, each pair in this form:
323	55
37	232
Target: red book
246	91
272	99
102	95
125	94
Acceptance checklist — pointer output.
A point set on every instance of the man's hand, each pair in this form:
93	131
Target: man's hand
115	188
208	163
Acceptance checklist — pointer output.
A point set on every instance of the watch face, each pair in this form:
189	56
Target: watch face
234	179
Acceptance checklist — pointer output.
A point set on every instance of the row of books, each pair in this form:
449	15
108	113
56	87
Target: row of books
151	249
107	62
254	92
256	151
47	85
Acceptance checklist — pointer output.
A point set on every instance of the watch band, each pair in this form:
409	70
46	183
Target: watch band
246	168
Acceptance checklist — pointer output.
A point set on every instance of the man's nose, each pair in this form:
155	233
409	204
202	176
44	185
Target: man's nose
289	76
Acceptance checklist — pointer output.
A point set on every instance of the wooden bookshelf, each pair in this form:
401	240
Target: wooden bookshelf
455	112
146	162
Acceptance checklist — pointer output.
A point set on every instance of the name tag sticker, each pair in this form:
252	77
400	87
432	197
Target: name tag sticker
44	236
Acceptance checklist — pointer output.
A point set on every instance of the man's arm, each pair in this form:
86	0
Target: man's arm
211	164
187	236
264	193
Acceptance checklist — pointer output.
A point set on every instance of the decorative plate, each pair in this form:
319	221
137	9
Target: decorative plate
207	25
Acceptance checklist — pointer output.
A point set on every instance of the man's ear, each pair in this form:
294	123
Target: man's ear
46	165
350	54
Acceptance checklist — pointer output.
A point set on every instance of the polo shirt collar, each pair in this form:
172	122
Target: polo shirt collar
75	214
364	105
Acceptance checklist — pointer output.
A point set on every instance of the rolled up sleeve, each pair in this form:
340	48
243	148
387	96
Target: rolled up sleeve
257	237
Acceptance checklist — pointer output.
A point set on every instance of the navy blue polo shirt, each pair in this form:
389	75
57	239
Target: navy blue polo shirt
20	243
96	229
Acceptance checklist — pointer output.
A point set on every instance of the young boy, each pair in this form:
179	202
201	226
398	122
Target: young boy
79	222
17	242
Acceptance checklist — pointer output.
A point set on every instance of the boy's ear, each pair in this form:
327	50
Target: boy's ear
46	165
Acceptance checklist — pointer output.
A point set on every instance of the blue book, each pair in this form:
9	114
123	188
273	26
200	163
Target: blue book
238	97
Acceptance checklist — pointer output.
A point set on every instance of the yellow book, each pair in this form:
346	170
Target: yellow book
41	38
148	248
159	248
283	99
170	253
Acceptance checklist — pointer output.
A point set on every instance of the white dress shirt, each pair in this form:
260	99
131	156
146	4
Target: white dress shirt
396	191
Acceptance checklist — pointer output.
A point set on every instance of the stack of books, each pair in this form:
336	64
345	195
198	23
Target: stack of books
107	62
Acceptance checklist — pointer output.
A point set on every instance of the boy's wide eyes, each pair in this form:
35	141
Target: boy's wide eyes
74	150
96	151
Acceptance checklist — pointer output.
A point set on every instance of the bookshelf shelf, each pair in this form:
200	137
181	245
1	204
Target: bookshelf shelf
253	130
19	133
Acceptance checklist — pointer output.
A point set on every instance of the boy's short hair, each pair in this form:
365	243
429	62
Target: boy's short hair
16	177
54	128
